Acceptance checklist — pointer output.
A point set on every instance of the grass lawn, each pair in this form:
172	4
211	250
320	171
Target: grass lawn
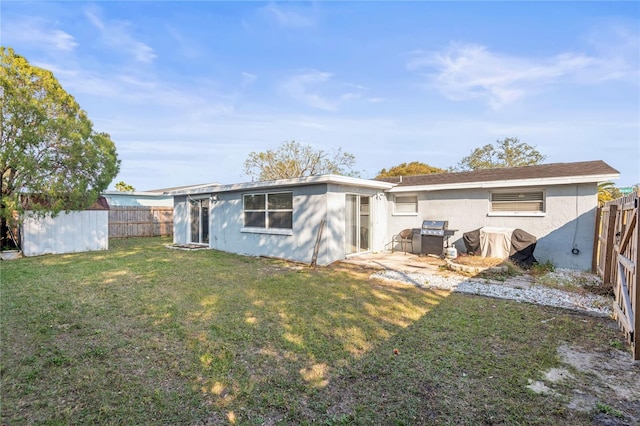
142	334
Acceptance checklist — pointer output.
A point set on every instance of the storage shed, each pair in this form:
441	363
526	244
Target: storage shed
72	232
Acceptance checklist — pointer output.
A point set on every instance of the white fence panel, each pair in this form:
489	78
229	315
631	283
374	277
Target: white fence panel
66	233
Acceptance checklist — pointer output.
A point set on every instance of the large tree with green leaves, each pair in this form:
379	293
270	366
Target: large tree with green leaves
293	159
409	169
51	159
509	152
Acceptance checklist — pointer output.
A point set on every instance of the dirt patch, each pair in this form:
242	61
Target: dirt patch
478	261
605	383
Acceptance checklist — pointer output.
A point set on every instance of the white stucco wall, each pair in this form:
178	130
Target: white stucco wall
336	199
569	214
227	231
311	203
132	199
180	220
71	232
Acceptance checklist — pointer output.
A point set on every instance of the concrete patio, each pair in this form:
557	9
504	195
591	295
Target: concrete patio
397	261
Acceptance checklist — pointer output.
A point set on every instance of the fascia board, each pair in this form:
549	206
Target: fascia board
136	194
508	183
286	183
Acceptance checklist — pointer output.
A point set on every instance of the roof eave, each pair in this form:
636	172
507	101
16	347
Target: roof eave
136	193
285	183
564	180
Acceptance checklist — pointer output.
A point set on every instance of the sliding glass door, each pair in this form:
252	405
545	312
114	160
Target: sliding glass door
199	215
357	223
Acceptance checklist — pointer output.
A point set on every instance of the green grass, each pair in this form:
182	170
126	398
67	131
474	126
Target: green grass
142	334
604	408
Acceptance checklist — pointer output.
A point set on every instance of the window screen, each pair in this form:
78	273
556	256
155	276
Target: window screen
406	204
271	210
531	201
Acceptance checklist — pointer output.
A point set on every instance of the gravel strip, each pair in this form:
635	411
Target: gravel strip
540	295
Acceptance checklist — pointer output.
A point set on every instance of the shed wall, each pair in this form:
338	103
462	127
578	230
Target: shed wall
71	232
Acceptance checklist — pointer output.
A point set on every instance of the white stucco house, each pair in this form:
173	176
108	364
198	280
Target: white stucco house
138	198
554	202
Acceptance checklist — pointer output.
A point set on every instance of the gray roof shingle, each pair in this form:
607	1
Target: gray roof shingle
542	171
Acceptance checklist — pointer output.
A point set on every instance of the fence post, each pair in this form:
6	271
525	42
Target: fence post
608	257
596	241
635	284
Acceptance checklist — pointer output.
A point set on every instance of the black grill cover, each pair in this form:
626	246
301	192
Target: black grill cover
472	242
522	246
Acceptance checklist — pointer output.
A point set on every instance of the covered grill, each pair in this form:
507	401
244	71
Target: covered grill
434	233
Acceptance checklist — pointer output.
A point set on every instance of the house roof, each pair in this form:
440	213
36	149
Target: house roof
153	194
163	191
284	183
543	174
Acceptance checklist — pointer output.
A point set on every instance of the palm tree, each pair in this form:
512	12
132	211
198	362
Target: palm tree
607	192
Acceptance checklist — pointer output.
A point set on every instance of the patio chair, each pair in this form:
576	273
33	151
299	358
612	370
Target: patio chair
403	238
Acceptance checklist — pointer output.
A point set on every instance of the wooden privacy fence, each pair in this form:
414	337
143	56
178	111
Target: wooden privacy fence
616	259
140	221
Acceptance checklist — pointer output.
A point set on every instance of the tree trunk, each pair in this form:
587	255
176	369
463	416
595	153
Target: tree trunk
6	241
4	231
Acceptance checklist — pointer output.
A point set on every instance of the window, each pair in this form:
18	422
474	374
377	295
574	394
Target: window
517	202
274	210
406	204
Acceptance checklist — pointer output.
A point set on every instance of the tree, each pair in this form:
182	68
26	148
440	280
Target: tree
51	159
293	160
607	192
509	152
124	187
409	169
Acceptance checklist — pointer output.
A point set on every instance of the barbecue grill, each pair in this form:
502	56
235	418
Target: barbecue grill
433	234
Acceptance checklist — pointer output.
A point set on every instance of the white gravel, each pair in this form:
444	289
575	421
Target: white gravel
511	289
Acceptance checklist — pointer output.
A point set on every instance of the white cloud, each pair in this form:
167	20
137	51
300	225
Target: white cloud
248	79
618	47
304	88
116	34
320	90
288	17
471	71
37	32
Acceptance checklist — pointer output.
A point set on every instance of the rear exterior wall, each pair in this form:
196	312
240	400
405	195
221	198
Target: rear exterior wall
311	204
568	221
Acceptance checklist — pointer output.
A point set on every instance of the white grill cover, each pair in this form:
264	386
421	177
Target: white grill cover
495	242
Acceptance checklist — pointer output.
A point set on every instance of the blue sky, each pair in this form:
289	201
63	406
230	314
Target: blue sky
188	89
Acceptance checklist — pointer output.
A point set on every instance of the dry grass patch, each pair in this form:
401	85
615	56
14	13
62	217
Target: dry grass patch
479	261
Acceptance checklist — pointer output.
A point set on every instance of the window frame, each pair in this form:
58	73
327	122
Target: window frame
396	212
515	193
267	228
